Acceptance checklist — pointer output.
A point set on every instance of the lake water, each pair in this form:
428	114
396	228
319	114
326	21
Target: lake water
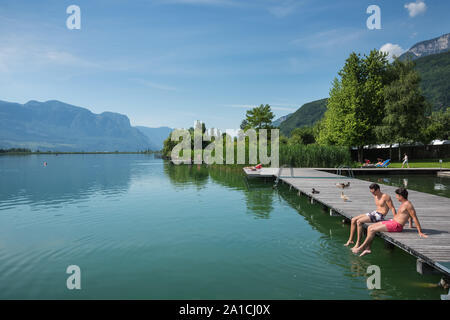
139	227
439	186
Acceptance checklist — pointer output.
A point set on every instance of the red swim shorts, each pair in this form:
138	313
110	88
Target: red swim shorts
393	226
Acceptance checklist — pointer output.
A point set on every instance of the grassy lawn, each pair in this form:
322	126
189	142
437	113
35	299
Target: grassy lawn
424	163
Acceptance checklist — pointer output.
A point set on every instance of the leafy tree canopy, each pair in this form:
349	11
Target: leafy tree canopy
356	101
405	106
259	117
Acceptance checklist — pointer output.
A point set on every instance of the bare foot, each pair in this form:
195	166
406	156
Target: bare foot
349	242
365	252
356	250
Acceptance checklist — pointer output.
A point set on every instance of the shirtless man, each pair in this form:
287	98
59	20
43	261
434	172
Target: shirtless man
383	202
405	212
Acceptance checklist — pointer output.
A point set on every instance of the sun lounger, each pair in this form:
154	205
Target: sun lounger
385	164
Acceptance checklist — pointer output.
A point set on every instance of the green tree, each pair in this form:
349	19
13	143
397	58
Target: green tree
356	102
244	124
303	135
168	145
260	117
405	107
439	126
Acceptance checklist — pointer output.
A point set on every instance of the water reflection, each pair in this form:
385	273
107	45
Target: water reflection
25	180
439	186
420	182
183	175
397	267
258	194
231	231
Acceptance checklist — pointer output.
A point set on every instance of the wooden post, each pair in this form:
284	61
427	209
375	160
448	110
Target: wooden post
333	213
424	268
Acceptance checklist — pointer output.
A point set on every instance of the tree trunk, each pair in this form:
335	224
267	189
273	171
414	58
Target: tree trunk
390	151
399	153
360	154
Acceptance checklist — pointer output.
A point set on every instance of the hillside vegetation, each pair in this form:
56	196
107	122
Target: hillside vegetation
306	115
434	71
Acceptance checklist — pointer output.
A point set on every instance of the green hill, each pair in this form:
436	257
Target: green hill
435	73
306	115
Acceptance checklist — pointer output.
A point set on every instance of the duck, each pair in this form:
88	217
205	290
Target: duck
344	197
343	185
315	191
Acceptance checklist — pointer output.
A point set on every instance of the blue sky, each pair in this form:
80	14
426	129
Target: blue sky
171	62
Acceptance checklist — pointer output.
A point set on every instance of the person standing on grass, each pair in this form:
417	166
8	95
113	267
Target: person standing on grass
405	160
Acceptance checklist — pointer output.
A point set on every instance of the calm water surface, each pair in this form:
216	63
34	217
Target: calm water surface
141	228
433	184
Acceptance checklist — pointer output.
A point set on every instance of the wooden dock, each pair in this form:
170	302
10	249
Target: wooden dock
433	211
445	174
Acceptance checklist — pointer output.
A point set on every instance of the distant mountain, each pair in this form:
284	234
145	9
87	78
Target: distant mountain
57	126
434	71
278	122
156	135
306	115
425	48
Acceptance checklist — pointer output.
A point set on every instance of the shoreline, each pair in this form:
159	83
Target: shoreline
80	152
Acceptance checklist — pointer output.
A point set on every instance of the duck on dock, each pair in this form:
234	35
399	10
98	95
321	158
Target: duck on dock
343	185
315	191
344	197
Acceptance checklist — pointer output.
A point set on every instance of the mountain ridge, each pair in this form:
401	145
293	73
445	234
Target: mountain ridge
428	47
278	121
156	135
57	126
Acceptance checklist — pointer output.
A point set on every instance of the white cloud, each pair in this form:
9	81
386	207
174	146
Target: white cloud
66	58
19	57
416	8
392	50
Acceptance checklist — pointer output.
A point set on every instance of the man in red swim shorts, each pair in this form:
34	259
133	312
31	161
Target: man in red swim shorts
404	213
383	202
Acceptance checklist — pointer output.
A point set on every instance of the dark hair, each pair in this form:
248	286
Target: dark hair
374	186
402	192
